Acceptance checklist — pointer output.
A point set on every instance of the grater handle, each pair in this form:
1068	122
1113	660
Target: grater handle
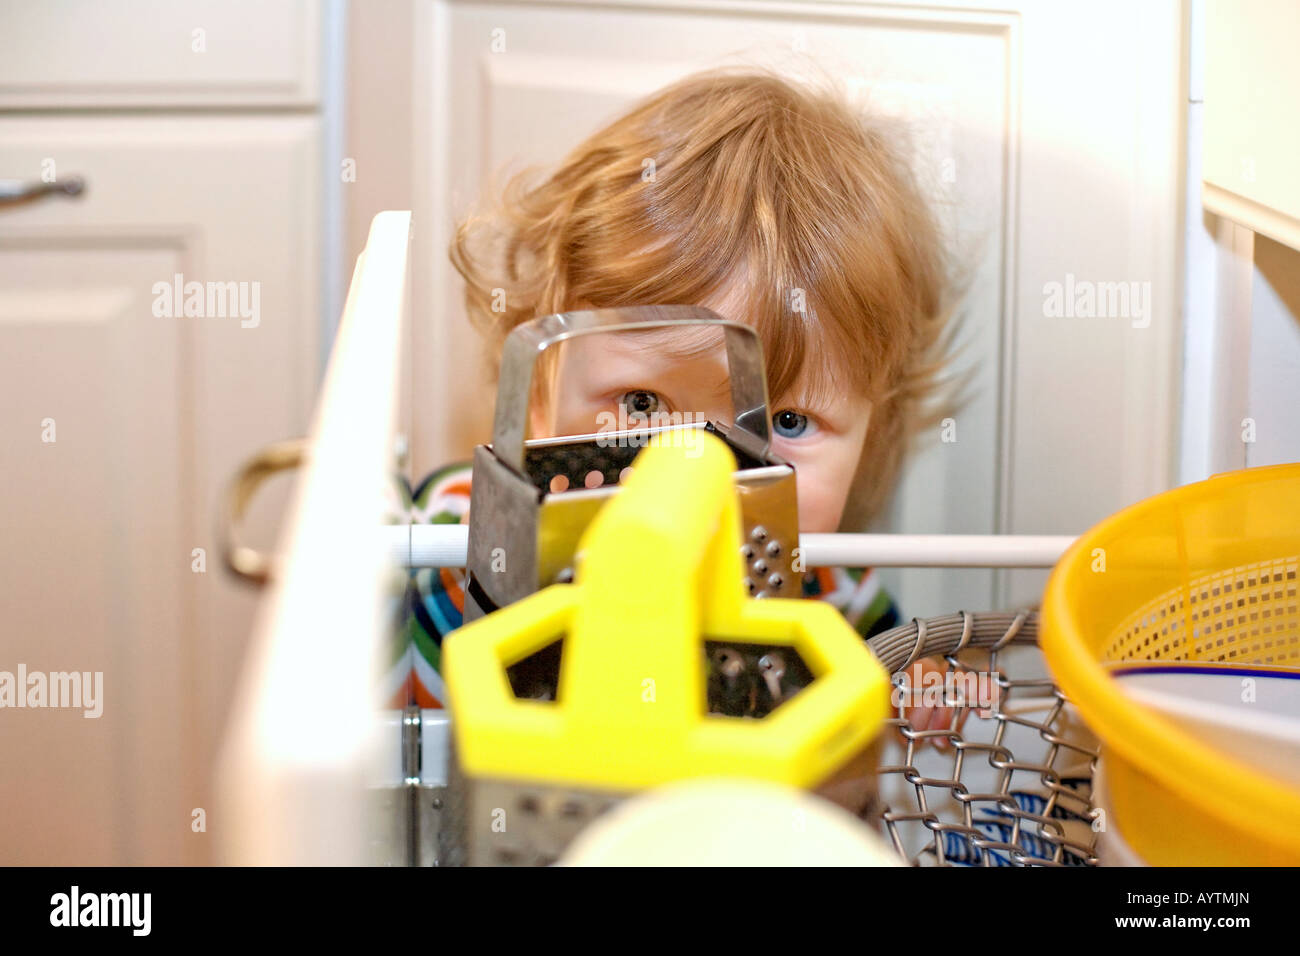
528	341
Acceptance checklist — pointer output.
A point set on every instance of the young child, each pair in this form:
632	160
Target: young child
774	205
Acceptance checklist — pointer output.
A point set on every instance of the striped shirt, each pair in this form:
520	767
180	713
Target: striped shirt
434	599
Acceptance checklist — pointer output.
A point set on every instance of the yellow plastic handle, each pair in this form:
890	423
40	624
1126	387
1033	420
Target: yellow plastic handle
659	565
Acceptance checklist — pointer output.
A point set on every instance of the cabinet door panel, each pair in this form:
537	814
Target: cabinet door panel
92	576
110	561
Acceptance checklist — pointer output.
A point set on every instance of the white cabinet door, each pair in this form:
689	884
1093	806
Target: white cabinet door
122	413
1049	136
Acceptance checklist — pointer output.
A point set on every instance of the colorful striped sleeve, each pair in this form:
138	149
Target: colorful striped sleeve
858	594
435	597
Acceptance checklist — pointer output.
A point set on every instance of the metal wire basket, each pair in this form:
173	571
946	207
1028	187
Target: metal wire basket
1009	785
1005	785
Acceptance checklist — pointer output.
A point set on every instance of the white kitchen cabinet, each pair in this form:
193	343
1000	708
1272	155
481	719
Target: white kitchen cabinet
150	415
1252	142
121	414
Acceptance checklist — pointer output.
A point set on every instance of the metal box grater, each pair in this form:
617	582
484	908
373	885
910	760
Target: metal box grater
654	681
514	513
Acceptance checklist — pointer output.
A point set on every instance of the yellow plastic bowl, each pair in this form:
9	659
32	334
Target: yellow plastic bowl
1206	572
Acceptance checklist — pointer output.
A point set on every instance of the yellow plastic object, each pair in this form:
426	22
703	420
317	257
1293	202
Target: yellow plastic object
658	572
1206	572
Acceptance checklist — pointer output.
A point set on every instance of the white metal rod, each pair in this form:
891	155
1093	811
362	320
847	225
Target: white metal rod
443	545
934	550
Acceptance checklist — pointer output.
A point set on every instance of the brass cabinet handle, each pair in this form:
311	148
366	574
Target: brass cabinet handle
246	562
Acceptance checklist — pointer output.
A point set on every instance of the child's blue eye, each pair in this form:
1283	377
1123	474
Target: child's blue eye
790	424
640	402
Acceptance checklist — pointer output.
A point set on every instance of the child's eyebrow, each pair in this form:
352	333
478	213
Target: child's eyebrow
823	384
813	402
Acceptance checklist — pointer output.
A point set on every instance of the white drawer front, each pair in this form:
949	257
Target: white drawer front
61	54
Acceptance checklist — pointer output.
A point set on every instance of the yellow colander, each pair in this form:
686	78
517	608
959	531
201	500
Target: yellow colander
1206	572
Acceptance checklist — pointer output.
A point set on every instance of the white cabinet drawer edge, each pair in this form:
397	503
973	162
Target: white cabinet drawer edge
61	54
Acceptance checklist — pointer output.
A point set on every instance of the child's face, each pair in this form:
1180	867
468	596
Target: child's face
686	371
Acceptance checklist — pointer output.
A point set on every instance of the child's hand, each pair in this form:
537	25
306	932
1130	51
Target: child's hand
922	716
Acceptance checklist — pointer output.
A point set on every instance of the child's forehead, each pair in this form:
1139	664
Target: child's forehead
686	341
696	350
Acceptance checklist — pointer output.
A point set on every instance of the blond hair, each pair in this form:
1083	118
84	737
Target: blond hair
739	178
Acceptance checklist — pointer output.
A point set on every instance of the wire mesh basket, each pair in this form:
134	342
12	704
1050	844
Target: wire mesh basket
1008	784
